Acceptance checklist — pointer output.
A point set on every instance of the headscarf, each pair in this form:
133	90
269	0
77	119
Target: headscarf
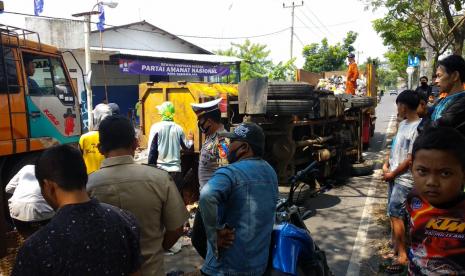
166	110
100	112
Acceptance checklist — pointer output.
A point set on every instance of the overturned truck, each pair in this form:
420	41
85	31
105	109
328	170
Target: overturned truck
301	123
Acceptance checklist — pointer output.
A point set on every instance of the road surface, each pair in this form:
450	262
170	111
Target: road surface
342	223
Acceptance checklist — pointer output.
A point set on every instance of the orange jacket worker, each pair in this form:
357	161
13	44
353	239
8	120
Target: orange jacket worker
352	75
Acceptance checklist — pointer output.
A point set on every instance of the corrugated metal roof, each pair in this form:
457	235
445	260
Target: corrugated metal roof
169	55
133	27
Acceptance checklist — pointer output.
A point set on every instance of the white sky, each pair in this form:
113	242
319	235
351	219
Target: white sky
231	18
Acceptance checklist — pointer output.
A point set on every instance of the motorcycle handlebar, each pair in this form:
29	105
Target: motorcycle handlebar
301	174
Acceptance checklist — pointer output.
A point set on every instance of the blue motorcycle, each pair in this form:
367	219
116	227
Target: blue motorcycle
292	250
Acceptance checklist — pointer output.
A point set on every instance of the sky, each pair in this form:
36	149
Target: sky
227	19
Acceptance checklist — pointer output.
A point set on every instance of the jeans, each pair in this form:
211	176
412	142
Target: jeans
199	237
397	202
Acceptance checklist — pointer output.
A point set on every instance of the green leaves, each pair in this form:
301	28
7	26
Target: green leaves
256	62
324	57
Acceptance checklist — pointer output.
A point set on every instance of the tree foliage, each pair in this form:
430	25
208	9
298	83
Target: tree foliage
256	62
387	79
320	57
408	23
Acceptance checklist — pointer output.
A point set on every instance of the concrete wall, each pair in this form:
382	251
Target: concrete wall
64	34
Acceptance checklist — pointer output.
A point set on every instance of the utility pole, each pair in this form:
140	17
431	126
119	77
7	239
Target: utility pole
293	6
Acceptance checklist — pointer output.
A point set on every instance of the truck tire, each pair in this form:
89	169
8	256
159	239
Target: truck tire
361	102
362	169
290	90
290	107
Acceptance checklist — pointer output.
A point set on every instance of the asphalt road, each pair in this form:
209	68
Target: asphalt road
341	225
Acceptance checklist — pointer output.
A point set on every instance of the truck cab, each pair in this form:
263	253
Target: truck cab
38	105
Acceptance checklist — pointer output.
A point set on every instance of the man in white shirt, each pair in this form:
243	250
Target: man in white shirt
28	208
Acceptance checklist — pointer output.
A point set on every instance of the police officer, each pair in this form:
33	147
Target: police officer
212	156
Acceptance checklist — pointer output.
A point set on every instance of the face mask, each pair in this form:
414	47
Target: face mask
232	155
202	128
424	84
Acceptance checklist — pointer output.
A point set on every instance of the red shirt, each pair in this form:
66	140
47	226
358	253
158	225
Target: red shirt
437	238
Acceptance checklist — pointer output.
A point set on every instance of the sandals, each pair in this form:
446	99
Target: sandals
395	268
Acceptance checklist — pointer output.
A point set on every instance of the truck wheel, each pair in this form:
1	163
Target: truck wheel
362	169
290	107
360	102
289	90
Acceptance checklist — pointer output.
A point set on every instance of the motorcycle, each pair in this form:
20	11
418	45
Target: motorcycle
292	250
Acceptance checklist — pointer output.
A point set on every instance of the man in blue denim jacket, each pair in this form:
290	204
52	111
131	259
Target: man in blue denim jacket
238	207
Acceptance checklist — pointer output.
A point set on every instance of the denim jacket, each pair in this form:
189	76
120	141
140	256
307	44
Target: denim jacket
243	196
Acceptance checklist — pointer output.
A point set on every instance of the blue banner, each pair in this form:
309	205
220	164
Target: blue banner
140	67
38	7
101	18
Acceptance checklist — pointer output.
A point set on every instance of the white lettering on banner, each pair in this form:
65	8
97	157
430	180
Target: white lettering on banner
152	68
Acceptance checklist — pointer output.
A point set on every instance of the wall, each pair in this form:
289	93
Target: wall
63	34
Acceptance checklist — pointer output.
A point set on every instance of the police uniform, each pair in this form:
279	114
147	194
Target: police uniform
214	150
212	155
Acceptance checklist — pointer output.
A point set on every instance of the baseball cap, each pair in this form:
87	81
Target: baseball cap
250	133
351	55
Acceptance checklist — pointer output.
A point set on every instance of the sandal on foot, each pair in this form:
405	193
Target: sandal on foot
389	255
395	268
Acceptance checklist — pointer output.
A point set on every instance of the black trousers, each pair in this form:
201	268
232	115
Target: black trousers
199	236
178	180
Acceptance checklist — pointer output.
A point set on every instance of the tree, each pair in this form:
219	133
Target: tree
324	57
431	20
256	62
283	70
387	78
402	37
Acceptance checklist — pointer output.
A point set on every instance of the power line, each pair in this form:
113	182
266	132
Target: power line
296	36
147	31
332	25
307	27
313	24
318	19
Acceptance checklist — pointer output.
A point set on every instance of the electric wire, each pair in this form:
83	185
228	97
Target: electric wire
310	29
159	32
311	21
318	19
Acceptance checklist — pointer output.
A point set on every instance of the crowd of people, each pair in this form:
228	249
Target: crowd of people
95	211
425	171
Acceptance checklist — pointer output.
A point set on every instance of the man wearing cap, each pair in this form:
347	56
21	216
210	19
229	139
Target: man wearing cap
212	156
352	75
238	207
165	142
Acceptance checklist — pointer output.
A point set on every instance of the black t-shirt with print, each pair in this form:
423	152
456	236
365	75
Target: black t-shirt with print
89	238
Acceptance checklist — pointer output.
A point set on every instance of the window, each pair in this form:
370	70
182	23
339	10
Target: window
8	77
46	77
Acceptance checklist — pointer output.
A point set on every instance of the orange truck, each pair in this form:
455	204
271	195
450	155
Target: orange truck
39	107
